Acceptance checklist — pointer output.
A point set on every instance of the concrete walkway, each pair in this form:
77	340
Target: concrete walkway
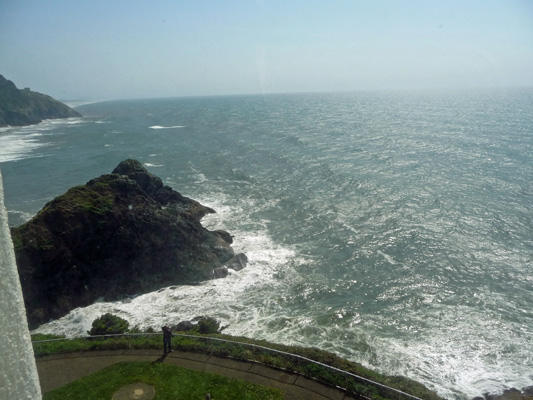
59	369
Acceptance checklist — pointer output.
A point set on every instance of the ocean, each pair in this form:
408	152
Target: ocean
394	229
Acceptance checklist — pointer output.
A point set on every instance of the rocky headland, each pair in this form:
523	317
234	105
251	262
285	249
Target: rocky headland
120	234
20	107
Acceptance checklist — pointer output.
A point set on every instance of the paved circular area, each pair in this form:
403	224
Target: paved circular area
58	370
137	391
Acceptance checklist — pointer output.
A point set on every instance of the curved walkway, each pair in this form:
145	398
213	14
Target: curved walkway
59	369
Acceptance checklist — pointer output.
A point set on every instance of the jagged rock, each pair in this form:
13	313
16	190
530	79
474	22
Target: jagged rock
220	272
512	394
24	107
202	324
224	235
238	262
183	326
120	233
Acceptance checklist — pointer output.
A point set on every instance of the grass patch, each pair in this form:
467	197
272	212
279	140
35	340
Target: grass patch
170	382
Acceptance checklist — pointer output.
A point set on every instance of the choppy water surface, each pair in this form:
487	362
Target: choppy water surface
394	229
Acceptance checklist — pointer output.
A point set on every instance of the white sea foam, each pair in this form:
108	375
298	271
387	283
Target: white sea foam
222	298
451	358
19	217
166	127
237	300
200	178
388	258
17	143
64	121
18	146
153	165
78	103
75	122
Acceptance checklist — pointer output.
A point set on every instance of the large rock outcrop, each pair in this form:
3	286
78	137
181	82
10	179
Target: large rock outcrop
24	107
122	233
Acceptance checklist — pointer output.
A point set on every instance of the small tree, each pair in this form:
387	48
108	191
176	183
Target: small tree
108	324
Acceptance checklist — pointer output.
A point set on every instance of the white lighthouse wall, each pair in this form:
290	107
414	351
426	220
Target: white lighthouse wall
18	372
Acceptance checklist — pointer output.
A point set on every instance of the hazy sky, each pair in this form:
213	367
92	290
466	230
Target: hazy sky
111	49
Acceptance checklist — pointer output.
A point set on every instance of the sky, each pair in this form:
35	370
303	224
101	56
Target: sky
121	49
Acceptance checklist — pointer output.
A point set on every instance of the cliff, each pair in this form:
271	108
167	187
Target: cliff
120	234
24	107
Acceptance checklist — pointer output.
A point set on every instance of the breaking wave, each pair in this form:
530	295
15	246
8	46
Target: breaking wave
166	127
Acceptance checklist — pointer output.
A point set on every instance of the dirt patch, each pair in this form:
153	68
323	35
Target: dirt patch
137	391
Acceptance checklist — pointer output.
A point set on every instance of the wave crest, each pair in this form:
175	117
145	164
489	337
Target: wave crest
166	127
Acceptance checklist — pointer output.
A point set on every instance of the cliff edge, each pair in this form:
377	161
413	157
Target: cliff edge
24	107
120	234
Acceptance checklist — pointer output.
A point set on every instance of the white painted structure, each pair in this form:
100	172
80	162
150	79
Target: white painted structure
18	372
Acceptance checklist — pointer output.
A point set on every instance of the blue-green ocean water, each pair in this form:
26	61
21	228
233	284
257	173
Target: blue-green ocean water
394	229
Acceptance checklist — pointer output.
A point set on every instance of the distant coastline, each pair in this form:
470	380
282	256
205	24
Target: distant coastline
79	103
21	107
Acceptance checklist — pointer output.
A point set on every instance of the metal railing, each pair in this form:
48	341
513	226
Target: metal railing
382	390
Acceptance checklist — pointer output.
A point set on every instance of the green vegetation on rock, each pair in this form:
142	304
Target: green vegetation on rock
108	324
208	325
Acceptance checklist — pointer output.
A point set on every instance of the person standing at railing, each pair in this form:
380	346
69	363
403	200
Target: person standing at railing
167	339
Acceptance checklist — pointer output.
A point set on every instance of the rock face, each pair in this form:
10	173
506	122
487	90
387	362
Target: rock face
122	233
510	394
24	107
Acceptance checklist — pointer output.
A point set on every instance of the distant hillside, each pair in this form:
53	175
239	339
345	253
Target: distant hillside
24	107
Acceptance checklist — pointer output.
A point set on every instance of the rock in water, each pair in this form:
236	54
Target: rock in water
121	233
238	262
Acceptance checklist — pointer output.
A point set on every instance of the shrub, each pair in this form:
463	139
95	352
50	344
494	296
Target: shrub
108	324
208	325
135	329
